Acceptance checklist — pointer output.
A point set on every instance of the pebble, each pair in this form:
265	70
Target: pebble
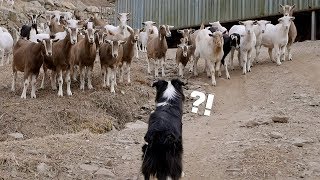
16	135
275	135
106	172
278	119
89	167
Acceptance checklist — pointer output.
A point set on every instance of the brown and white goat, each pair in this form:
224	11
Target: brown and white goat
183	55
84	54
28	57
128	53
111	53
59	62
97	22
292	34
157	49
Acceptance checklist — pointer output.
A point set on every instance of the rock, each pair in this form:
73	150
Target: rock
137	125
89	167
251	124
280	119
68	5
92	9
299	142
16	135
49	2
43	168
105	172
275	135
314	104
36	3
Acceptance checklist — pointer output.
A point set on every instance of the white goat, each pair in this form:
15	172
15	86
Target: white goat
276	37
6	44
259	30
217	24
122	28
209	46
247	43
143	39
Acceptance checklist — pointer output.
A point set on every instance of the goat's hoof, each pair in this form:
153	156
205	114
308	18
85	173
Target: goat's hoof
13	90
279	63
219	75
33	96
214	83
249	70
228	77
90	87
69	93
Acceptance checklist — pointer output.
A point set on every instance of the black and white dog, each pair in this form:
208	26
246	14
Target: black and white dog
162	155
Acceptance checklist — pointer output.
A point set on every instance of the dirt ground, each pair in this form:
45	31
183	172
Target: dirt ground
86	136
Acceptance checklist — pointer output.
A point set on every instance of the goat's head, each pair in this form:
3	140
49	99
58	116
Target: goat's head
287	10
33	18
235	40
263	25
47	45
148	25
115	46
217	25
286	21
217	38
248	25
165	30
72	23
186	33
184	46
90	35
136	34
72	33
100	35
55	15
123	18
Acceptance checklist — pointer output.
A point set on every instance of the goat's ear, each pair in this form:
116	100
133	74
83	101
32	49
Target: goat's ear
143	23
190	46
255	22
153	23
192	31
280	19
293	7
128	19
292	18
38	40
181	40
281	6
55	40
211	35
268	22
170	27
180	31
240	22
122	42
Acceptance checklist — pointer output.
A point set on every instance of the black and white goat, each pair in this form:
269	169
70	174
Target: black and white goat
162	155
25	29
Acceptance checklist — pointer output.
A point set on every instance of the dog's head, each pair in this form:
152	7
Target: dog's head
169	90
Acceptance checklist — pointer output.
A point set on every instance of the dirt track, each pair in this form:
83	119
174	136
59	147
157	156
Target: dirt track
233	143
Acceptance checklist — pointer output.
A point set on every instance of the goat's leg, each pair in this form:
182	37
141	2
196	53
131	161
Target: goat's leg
25	86
249	61
43	76
289	50
2	57
129	72
163	66
270	54
82	75
231	58
180	69
68	80
282	53
60	82
74	71
149	71
33	86
244	56
256	59
104	72
136	50
277	52
207	69
226	68
108	76
54	80
122	72
13	86
212	71
195	65
239	59
156	68
89	77
191	63
113	78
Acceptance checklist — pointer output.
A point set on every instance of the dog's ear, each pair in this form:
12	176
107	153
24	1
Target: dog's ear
158	84
178	82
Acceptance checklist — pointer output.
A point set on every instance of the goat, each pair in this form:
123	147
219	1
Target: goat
209	47
259	30
25	29
150	26
143	40
292	34
217	24
122	28
60	60
55	15
183	55
98	22
129	53
276	37
6	44
84	54
111	52
28	58
247	43
157	49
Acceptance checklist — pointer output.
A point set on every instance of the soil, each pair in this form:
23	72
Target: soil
86	136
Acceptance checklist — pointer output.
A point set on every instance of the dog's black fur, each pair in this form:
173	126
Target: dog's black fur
162	156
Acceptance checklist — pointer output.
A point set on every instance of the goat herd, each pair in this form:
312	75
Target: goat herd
67	44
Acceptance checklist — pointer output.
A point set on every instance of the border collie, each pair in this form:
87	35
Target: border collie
162	154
